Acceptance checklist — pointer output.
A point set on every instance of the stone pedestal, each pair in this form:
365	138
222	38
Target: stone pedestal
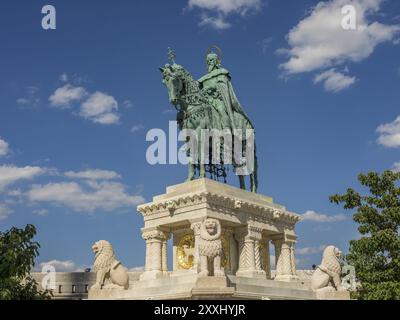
249	222
333	295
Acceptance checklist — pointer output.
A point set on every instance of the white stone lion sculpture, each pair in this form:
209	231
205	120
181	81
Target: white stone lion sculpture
210	248
326	276
108	268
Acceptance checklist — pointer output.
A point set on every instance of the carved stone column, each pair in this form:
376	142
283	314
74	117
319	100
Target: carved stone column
285	263
164	253
257	255
293	260
195	226
249	252
154	252
278	258
267	258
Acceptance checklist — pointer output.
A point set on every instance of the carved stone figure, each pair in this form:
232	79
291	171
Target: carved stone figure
108	268
326	276
210	248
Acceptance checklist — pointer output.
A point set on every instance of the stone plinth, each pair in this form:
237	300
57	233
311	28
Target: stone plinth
333	295
221	239
250	223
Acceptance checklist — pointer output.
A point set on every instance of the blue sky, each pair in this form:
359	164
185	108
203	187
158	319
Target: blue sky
76	103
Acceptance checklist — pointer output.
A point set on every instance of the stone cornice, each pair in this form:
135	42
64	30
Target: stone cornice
219	202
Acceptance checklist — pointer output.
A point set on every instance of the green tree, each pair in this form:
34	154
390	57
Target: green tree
376	255
17	256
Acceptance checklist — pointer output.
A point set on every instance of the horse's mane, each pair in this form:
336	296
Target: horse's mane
192	85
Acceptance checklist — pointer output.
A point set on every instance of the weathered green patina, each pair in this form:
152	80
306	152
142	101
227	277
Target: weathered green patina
210	104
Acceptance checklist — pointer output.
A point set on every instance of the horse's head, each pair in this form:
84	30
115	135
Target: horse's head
173	81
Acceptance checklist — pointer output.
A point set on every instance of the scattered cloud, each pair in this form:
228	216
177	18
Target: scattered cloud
334	81
265	44
310	250
65	95
389	134
319	41
4	211
59	265
41	212
93	174
396	167
97	107
63	77
214	14
30	98
319	217
100	108
127	104
105	195
217	22
136	128
10	174
4	148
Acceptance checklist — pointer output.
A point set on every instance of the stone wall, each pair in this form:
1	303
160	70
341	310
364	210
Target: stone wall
75	285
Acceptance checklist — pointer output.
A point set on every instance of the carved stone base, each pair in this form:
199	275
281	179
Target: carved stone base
151	275
251	274
287	278
333	295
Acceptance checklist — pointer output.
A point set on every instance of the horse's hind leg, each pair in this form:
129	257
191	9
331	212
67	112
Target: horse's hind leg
242	183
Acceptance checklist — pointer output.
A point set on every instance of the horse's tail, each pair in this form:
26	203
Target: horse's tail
255	170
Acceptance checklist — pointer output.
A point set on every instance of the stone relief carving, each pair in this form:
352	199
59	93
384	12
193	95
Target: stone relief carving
110	272
210	248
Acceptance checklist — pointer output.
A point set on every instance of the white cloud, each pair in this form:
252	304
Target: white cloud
334	81
227	6
100	108
319	217
396	167
218	22
4	148
65	95
389	134
10	174
63	77
265	44
23	101
310	250
41	212
93	174
319	41
136	128
214	13
105	195
59	265
4	211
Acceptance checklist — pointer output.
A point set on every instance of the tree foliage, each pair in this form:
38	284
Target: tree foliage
17	256
376	255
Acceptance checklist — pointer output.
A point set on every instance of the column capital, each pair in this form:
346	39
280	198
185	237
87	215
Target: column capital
155	234
248	232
